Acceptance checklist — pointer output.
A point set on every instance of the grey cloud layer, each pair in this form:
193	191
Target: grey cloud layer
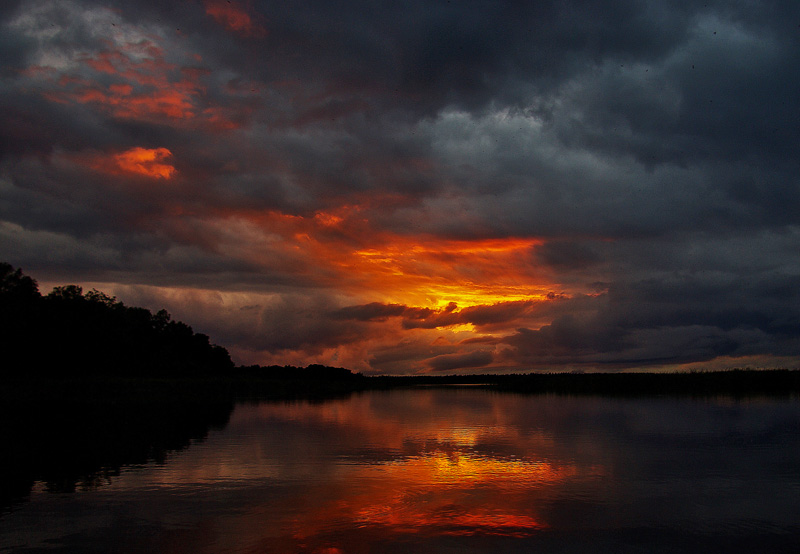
652	145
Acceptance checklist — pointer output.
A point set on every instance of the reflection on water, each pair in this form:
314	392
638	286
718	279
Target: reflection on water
435	470
68	444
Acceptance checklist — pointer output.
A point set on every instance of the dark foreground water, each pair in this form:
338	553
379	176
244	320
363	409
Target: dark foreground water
445	470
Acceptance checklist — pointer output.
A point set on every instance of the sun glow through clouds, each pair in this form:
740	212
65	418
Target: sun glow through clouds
376	206
435	273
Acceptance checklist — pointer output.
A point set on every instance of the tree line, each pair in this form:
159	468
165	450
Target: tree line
69	332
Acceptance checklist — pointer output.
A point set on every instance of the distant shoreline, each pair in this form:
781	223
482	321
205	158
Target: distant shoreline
735	382
252	384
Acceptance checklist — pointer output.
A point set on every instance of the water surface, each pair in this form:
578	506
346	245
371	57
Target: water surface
447	470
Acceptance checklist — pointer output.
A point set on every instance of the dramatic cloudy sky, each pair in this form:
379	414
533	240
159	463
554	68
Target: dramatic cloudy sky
417	186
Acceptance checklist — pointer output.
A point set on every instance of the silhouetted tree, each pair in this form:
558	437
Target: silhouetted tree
15	285
19	308
69	293
68	333
95	295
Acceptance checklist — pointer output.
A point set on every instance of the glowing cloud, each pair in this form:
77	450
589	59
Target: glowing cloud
436	272
142	75
423	271
146	161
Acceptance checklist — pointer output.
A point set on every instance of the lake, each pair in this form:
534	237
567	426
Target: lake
439	470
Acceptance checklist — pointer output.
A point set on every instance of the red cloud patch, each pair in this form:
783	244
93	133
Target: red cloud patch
234	17
146	161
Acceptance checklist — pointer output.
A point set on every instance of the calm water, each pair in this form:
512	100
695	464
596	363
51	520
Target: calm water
447	470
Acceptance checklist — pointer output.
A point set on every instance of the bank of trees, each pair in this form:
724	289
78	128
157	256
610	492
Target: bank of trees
70	332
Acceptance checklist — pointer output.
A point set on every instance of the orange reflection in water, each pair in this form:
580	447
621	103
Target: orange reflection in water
420	467
441	481
432	495
446	493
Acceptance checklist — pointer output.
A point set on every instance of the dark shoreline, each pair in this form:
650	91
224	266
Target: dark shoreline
738	382
251	384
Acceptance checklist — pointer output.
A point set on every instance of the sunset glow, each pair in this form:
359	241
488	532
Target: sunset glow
421	271
435	273
383	277
413	189
146	161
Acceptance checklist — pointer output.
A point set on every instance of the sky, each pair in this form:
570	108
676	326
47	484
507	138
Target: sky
417	187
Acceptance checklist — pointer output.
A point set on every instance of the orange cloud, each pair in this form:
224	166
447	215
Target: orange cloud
143	87
424	271
146	161
436	272
121	90
148	90
384	302
402	303
234	17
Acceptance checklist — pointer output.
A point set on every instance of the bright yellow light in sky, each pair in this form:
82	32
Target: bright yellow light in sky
436	273
473	294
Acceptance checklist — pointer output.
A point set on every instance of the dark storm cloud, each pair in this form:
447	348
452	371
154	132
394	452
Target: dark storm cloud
373	311
568	255
300	325
482	317
464	53
447	362
563	56
621	72
651	147
673	319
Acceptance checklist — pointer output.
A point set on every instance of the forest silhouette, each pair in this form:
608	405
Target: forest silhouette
71	333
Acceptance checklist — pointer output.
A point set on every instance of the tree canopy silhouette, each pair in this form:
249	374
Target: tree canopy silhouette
69	332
